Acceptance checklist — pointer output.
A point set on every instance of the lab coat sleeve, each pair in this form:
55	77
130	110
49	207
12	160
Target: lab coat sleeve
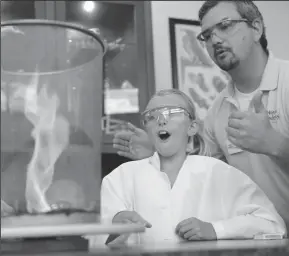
247	210
117	196
116	193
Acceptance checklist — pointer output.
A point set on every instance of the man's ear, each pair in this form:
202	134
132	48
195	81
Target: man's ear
258	28
193	128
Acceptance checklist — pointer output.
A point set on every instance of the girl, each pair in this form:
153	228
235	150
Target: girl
179	193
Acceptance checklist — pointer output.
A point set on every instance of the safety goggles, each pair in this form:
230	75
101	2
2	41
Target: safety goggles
222	29
163	114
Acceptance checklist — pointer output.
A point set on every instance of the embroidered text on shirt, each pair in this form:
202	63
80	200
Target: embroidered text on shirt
273	115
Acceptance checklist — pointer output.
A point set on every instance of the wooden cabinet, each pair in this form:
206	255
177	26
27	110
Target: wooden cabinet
12	10
129	73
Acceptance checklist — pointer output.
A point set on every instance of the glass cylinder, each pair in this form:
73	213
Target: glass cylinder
51	110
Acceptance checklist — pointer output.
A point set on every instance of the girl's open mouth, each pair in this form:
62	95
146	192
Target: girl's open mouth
164	135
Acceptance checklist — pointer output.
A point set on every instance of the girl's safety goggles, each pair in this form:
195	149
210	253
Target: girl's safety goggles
162	114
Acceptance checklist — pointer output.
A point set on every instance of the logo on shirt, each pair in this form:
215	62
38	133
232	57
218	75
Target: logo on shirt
273	115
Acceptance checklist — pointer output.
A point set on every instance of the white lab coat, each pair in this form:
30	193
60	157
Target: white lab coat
206	188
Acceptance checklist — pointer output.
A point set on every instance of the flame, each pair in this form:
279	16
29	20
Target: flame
6	209
51	135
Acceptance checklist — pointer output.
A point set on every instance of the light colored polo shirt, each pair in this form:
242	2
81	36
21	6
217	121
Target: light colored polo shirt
260	168
205	188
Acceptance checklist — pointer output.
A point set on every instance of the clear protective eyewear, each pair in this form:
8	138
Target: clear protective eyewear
222	29
162	114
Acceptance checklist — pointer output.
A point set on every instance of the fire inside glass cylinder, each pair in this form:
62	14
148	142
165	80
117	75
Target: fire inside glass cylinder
51	109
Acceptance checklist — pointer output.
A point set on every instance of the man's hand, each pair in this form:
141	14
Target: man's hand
195	229
133	143
251	131
125	217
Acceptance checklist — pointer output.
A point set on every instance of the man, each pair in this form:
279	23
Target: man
248	124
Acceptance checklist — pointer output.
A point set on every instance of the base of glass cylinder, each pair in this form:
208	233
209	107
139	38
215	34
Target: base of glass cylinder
50	218
44	245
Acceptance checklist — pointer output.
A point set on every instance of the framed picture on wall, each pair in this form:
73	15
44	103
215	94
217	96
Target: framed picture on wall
193	71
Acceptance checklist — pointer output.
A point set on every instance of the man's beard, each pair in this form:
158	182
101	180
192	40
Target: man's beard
225	59
227	63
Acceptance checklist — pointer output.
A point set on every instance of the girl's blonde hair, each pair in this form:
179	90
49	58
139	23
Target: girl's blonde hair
196	144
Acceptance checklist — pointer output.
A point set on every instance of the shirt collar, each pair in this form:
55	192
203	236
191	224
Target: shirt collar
269	78
155	161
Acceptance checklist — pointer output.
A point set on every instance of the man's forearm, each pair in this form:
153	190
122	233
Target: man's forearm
278	150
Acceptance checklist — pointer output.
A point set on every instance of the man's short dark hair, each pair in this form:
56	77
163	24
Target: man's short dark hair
247	10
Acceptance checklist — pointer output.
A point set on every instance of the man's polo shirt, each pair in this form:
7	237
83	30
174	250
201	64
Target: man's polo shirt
272	179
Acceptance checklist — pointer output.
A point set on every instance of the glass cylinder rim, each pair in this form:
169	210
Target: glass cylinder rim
63	24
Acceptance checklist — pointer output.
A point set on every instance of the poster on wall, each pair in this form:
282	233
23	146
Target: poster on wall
193	71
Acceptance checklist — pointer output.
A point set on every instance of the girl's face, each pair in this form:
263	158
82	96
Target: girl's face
168	124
